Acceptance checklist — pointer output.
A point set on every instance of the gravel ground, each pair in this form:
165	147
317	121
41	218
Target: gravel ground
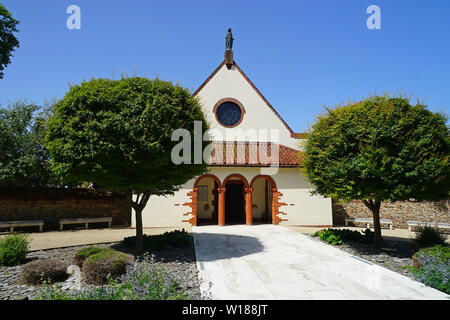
393	255
178	261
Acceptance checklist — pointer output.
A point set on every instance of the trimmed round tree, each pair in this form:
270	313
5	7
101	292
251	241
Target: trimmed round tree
380	149
117	133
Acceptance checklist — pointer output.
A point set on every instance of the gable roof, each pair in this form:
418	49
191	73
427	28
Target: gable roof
293	134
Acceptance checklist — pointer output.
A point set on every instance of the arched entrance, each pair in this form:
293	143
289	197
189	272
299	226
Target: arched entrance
205	207
236	191
265	199
234	200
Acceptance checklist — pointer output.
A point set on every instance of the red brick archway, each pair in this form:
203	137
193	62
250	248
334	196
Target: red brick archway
248	189
276	204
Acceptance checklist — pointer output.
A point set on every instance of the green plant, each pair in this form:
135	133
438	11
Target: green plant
174	238
143	280
8	26
442	253
338	236
13	249
379	149
427	236
44	270
107	130
84	253
109	263
433	268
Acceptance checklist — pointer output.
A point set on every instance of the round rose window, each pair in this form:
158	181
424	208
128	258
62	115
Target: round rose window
229	114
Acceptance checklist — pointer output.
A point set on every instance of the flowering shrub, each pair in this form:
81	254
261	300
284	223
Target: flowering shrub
142	281
434	271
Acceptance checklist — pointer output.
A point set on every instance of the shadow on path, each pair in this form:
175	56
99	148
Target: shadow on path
216	246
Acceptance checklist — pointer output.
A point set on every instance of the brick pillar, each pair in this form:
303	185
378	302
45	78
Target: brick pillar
248	206
274	205
221	213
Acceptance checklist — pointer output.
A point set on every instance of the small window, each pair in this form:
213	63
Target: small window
202	194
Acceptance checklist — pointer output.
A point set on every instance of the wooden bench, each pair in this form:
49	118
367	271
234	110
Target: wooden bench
369	221
429	224
84	221
26	223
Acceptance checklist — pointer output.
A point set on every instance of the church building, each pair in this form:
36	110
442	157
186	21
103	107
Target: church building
253	174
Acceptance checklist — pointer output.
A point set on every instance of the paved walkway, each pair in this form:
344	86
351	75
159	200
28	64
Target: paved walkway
273	262
68	238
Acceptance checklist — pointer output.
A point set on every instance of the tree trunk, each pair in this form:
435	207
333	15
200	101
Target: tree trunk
139	247
138	205
374	206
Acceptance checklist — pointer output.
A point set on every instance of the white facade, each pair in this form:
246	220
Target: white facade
299	207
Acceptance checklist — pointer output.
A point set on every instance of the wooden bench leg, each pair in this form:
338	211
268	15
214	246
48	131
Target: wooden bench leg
109	224
11	229
391	227
41	228
346	223
368	225
86	225
61	227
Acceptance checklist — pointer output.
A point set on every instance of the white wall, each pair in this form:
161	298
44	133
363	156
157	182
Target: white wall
231	84
306	209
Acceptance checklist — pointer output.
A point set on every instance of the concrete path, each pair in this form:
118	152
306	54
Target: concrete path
273	262
68	238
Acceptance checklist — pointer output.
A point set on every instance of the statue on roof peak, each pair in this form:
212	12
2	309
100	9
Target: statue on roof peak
229	40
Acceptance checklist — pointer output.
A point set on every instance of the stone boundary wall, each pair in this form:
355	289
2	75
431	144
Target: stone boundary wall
53	204
400	212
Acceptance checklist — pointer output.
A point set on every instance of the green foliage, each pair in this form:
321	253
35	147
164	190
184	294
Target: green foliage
381	148
432	267
174	238
84	253
23	159
339	236
428	236
142	281
13	249
118	134
44	270
8	42
109	263
442	253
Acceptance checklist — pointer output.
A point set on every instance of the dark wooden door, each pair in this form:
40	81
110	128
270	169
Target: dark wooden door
234	203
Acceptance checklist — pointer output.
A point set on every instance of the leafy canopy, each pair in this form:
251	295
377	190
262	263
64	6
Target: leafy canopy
23	159
381	148
8	25
117	133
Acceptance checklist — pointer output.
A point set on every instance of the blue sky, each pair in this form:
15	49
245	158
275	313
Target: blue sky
301	55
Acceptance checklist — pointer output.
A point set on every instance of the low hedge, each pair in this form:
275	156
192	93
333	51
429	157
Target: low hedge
174	238
83	254
338	236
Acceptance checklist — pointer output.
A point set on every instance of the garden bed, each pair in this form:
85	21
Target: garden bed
175	261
